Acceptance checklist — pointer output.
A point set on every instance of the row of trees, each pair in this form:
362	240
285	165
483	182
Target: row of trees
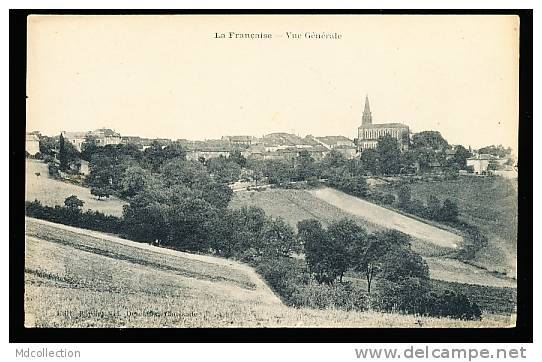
433	209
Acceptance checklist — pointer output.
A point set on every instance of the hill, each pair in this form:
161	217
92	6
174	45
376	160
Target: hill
53	192
490	203
297	205
81	278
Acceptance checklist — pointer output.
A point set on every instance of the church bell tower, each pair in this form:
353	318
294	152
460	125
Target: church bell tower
366	118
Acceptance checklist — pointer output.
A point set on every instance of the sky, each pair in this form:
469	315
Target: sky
170	77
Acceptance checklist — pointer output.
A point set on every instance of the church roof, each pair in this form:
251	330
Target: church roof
384	125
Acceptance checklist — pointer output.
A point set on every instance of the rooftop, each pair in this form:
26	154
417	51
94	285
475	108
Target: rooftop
383	125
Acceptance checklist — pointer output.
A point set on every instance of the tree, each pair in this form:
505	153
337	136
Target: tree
498	151
133	181
449	211
237	157
378	253
401	263
460	157
190	223
370	161
67	154
404	196
433	207
344	180
62	156
258	169
89	148
217	194
278	171
101	191
279	239
332	160
313	237
224	170
73	202
389	155
48	145
305	168
179	171
343	236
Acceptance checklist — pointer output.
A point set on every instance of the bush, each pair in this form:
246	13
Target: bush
54	171
345	296
388	199
92	220
285	276
416	296
449	303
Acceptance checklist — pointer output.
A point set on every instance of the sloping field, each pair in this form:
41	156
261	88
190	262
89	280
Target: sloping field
297	205
491	203
387	218
78	278
53	192
294	206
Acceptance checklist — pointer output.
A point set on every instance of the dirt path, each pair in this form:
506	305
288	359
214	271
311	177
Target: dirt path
388	218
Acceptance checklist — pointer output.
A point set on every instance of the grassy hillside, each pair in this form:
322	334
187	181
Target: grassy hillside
297	205
491	203
78	278
294	206
53	192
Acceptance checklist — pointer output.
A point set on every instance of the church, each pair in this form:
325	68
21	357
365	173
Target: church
369	132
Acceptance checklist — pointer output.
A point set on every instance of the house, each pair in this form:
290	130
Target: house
102	137
240	141
75	138
332	142
207	149
480	163
32	143
348	151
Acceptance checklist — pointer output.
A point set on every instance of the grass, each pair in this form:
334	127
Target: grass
53	192
294	206
490	203
80	278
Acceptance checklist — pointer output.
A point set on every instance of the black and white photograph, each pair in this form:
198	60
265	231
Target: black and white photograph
272	171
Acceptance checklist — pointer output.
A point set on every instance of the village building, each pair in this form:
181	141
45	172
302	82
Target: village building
332	142
240	141
208	149
480	163
32	143
102	137
369	132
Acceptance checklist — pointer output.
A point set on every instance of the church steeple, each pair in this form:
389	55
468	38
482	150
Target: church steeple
367	118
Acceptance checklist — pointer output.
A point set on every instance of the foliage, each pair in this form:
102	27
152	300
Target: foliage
73	202
92	220
101	191
48	145
54	172
496	150
389	155
329	252
67	154
404	197
224	170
